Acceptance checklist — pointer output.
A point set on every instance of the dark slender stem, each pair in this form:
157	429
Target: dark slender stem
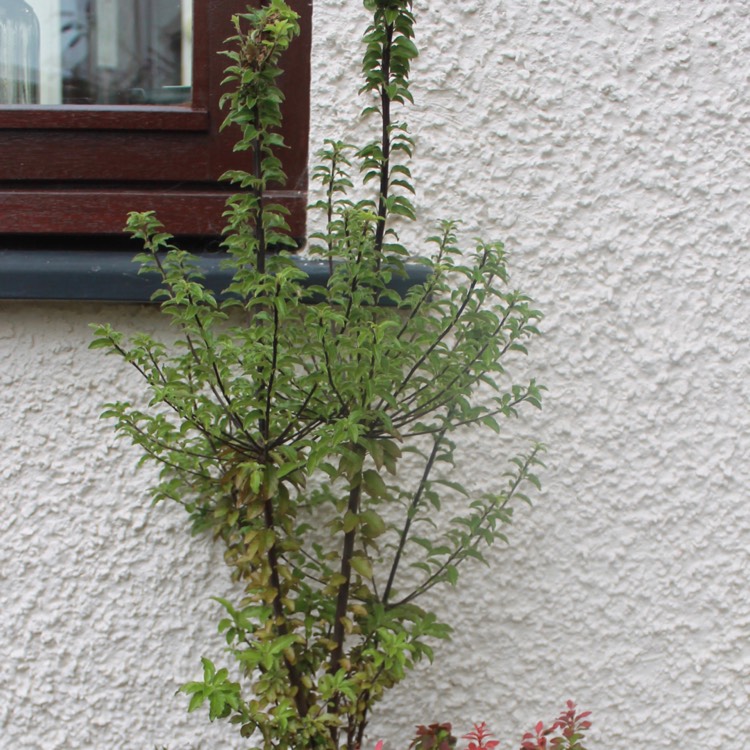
329	375
448	328
342	599
459	552
466	370
465	422
413	506
156	457
303	432
290	427
330	212
300	695
362	725
350	733
429	289
446	394
385	172
171	404
223	400
170	447
260	232
350	301
269	387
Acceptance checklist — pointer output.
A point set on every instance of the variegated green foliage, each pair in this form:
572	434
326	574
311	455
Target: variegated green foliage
284	417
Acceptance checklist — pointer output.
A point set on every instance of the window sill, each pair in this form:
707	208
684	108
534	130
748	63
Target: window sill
112	276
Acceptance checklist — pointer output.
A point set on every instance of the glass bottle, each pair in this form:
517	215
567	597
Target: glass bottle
19	53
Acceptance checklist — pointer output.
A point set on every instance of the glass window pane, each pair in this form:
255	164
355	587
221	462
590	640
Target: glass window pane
95	51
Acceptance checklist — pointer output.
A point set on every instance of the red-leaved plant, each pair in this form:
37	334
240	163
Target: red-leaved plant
479	739
565	733
433	737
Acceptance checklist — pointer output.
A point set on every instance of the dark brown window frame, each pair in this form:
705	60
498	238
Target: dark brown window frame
75	171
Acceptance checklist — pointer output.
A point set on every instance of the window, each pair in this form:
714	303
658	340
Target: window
108	106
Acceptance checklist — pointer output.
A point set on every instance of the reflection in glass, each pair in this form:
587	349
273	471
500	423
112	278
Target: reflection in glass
19	53
109	51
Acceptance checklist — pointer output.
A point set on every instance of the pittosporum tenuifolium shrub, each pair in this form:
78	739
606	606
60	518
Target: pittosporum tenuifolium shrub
282	416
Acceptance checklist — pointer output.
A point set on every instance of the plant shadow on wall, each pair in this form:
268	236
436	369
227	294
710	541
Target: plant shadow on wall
283	409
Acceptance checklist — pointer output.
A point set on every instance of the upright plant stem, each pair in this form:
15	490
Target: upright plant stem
260	233
300	696
385	107
329	211
342	599
413	506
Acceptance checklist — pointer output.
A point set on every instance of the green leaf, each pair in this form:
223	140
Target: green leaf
196	702
350	521
373	484
209	671
374	523
362	566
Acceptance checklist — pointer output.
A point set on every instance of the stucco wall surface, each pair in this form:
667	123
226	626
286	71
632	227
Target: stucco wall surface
608	145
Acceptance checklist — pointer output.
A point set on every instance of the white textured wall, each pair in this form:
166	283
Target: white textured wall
608	145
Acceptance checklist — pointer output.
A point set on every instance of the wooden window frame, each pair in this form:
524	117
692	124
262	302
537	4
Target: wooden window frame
75	171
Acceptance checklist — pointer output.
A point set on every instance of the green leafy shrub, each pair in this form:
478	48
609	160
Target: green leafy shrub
283	416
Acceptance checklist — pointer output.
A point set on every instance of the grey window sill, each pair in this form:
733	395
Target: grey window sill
111	275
